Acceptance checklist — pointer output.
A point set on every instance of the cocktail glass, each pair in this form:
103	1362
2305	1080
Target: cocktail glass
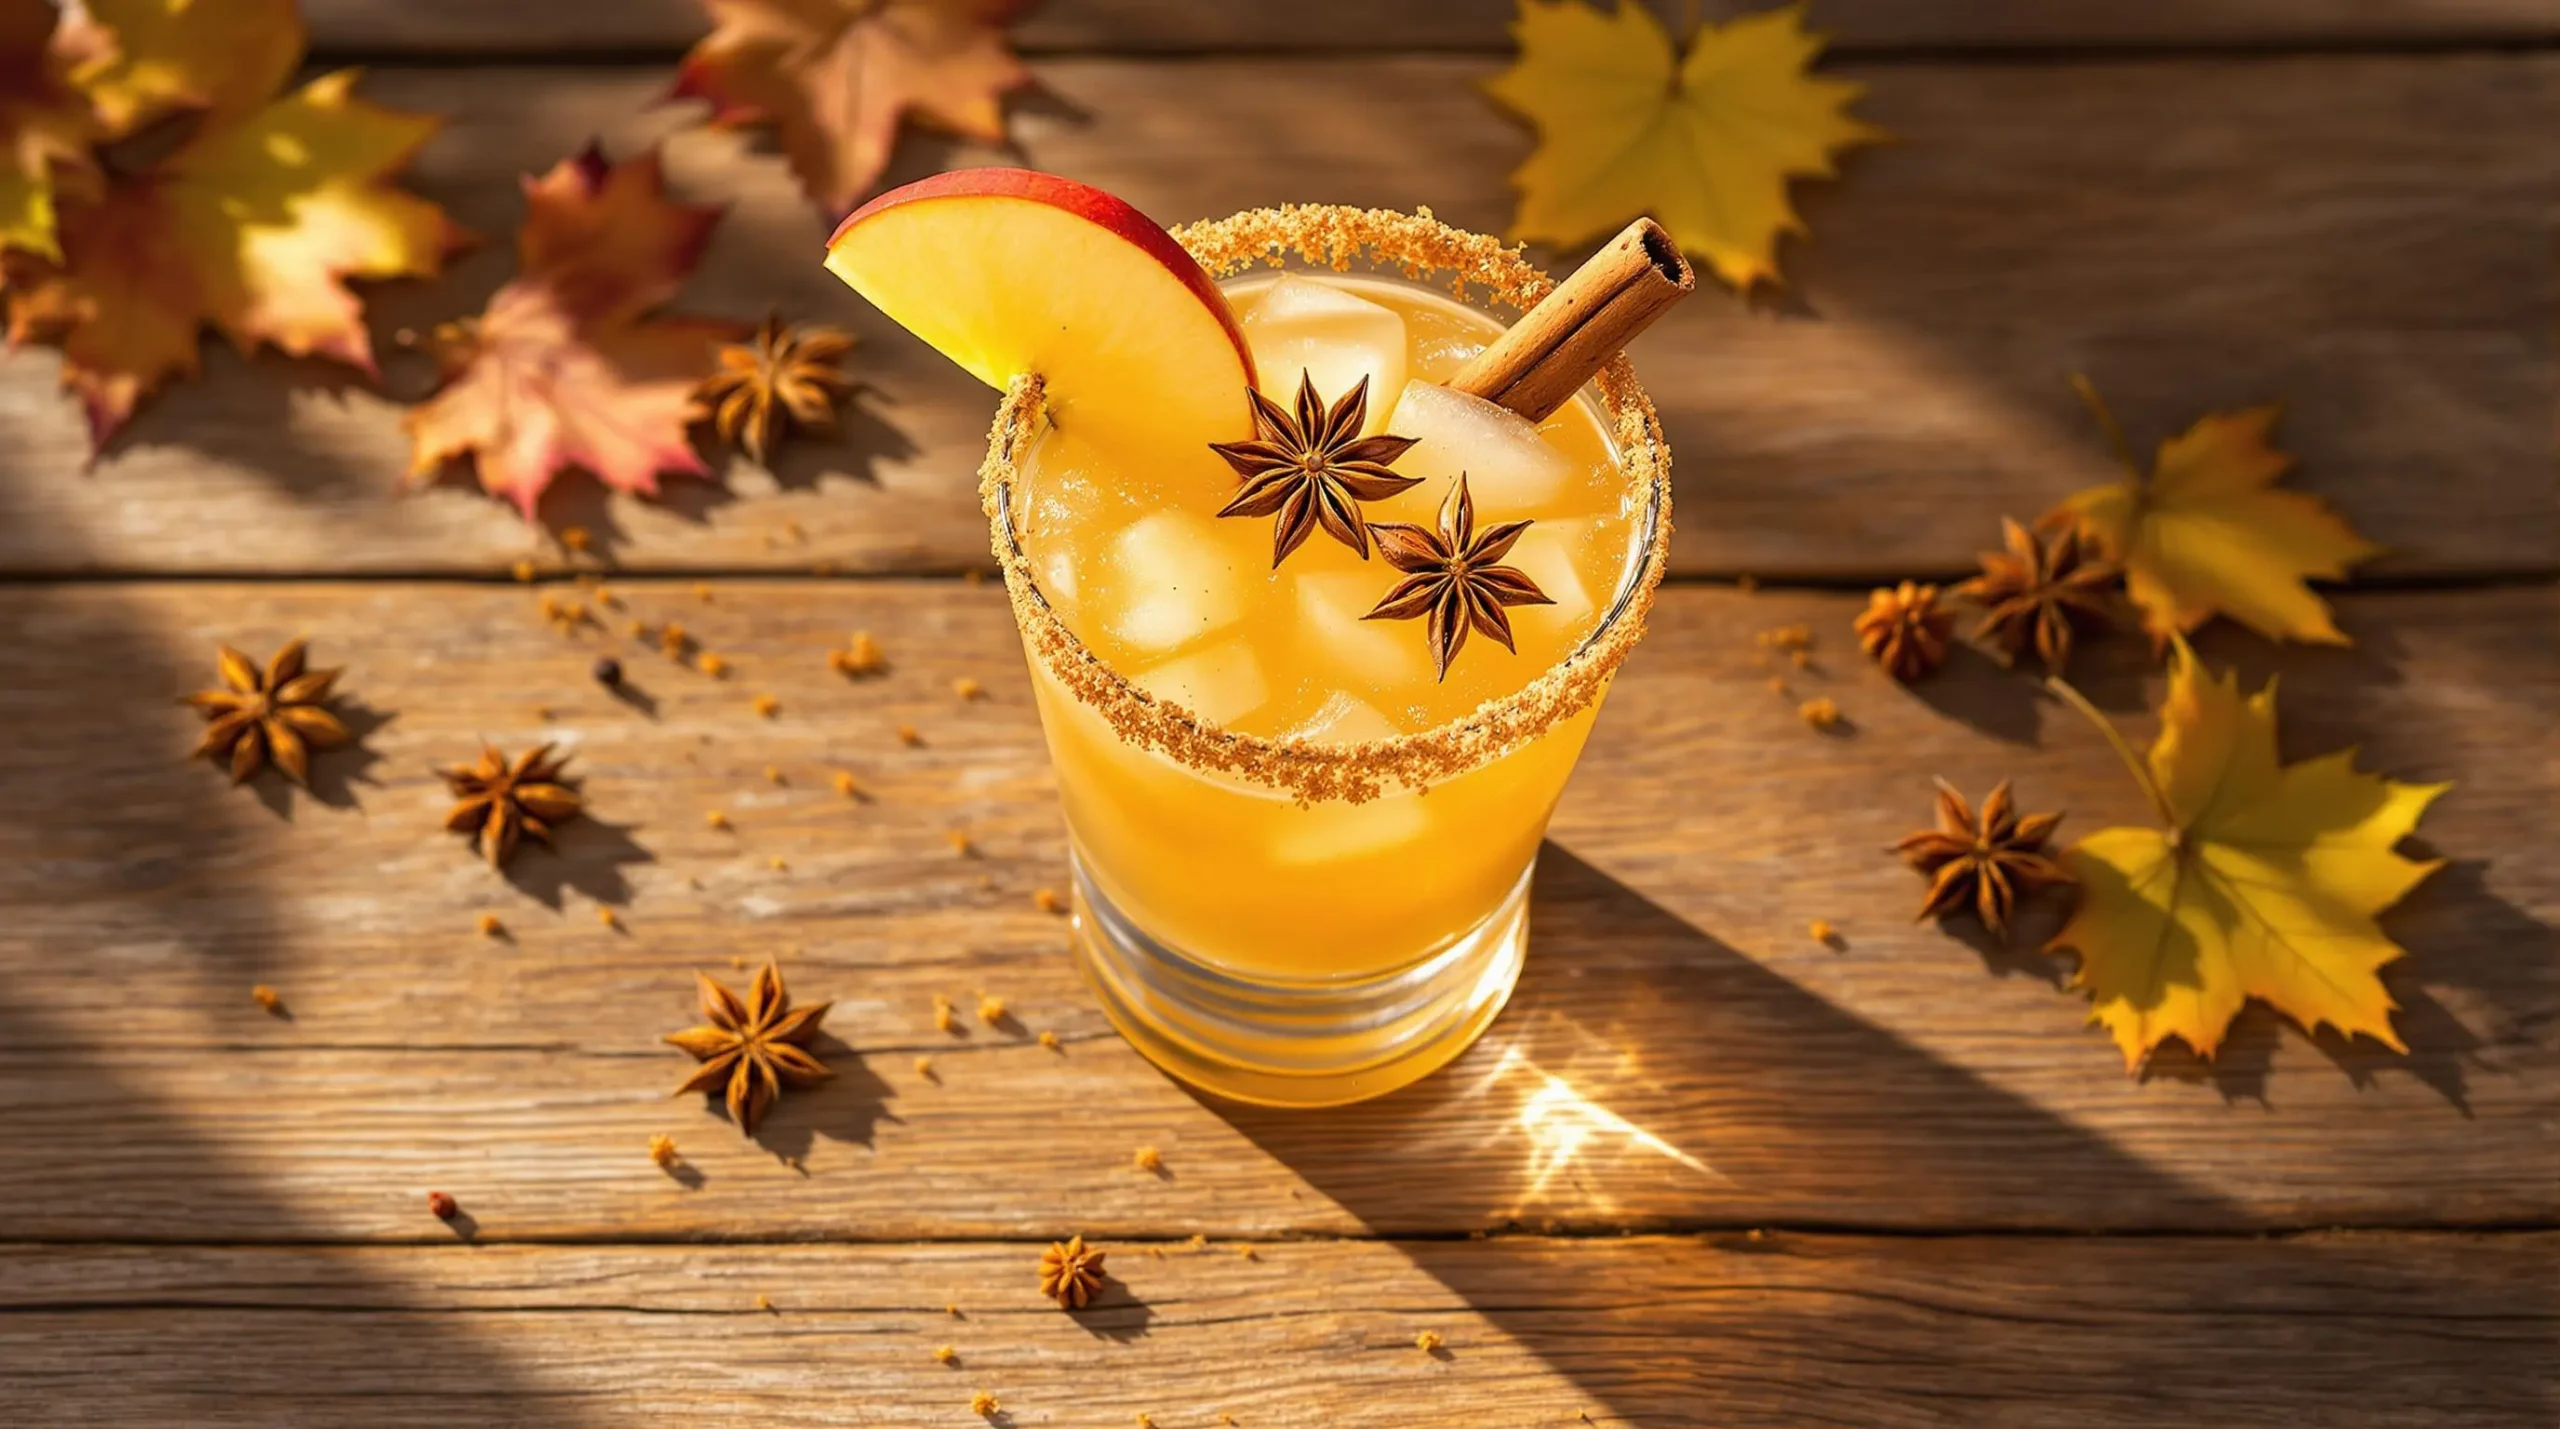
1298	923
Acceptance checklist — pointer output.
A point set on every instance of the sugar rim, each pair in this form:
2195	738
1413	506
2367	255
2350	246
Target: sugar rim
1421	247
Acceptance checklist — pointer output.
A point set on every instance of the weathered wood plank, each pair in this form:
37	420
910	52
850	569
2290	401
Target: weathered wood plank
1682	1053
2195	234
491	27
1781	1329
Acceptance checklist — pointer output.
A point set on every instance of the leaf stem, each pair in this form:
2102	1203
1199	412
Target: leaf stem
2107	423
2133	761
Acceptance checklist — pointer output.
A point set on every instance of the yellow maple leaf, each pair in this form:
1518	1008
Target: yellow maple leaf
252	224
2263	880
46	124
2207	532
835	78
1705	142
222	57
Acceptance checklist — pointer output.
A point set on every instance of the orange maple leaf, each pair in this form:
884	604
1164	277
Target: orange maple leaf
566	367
251	224
834	77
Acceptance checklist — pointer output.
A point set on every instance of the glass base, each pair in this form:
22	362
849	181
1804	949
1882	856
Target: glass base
1298	1043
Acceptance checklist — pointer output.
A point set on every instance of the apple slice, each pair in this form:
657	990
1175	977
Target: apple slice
1007	271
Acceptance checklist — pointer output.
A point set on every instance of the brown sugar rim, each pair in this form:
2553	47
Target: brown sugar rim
1422	248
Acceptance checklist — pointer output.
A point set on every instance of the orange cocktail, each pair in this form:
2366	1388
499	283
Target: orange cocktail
1312	686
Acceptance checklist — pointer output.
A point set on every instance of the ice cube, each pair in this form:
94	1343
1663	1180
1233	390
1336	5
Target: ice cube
1342	719
1305	325
1511	471
1372	657
1178	580
1346	834
1551	553
1054	572
1221	684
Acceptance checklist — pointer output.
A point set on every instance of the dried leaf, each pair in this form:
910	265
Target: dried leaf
2264	880
834	77
46	123
1704	142
252	224
566	367
2206	532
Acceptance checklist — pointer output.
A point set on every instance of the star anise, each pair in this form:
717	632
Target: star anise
1071	1274
1313	468
279	713
1988	863
788	371
1451	576
1903	629
2035	591
757	1046
503	804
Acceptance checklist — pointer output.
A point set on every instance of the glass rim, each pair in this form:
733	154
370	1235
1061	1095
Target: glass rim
1422	248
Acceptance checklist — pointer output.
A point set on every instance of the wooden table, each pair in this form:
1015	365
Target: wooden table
1705	1171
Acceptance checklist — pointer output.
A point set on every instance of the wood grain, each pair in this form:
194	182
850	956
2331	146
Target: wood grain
1681	1054
566	27
2332	1330
2195	234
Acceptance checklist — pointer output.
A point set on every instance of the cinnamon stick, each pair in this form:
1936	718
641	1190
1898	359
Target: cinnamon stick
1565	340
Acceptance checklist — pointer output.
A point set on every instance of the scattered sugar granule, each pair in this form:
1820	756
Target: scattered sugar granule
575	538
983	1403
1047	900
1428	1341
942	1019
524	570
266	997
777	864
945	1354
773	774
490	927
924	1069
767	706
702	592
712	665
862	654
442	1206
968	689
990	1009
1820	712
959	842
765	1303
662	1149
907	735
1049	1039
847	785
716	819
1143	1422
1821	931
1246	1252
1148	1159
1197	1242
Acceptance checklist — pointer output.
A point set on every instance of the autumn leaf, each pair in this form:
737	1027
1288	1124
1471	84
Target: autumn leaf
834	78
566	367
1705	142
2262	881
46	123
2207	532
224	58
252	223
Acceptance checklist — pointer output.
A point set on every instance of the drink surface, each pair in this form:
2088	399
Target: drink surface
1130	551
